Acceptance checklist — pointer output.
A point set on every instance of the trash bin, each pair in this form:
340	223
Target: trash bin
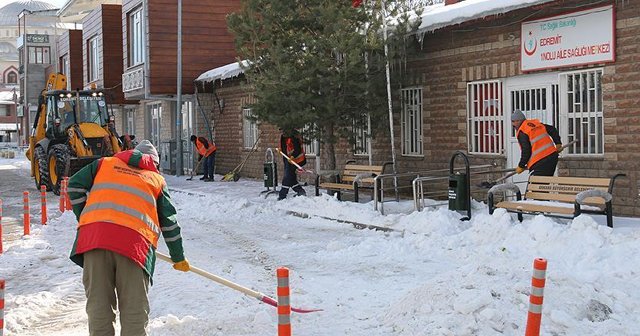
458	191
270	175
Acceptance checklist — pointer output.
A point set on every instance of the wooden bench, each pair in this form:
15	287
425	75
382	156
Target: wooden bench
352	178
563	197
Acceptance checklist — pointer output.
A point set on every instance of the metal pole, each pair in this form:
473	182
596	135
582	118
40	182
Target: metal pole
25	61
388	73
15	103
179	91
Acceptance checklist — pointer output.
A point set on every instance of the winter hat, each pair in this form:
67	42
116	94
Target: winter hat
146	147
193	138
517	116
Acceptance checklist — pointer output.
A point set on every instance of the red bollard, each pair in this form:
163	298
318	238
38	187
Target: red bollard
62	206
284	305
43	201
1	249
67	200
1	307
535	298
27	219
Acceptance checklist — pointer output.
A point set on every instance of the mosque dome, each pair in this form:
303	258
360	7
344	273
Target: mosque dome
9	13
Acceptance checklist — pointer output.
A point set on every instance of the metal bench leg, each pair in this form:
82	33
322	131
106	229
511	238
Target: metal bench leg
609	215
355	192
339	195
317	185
520	217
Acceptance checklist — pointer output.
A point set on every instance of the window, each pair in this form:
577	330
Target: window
361	134
249	128
130	120
4	110
12	78
485	122
155	117
411	121
39	55
65	69
136	37
92	59
310	146
582	110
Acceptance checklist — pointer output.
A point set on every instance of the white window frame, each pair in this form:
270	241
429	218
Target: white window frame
65	68
93	59
583	102
39	55
136	37
249	129
485	117
155	119
310	147
130	120
361	135
411	122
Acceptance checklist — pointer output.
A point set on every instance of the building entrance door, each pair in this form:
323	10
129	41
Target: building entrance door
537	97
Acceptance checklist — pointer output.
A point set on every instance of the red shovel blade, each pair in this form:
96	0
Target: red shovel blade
273	302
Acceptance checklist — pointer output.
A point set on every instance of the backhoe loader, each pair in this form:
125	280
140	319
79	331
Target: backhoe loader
70	130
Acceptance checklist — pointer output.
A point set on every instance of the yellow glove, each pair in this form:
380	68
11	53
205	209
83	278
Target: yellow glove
182	266
519	170
559	148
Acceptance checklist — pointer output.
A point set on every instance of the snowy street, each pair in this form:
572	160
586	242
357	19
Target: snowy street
435	275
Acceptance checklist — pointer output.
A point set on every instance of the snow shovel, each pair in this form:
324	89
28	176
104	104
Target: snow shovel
234	175
193	172
249	292
487	184
300	169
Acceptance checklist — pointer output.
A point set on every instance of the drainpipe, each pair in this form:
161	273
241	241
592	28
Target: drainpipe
179	94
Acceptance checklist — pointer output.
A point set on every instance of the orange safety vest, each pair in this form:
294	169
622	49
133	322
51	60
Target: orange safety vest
203	150
125	196
541	143
300	158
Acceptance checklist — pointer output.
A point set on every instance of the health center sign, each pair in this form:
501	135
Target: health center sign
575	38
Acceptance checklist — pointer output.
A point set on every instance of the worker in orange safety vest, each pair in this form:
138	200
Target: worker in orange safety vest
292	145
540	145
207	152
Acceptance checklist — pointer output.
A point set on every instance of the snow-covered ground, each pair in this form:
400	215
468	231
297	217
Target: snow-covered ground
435	276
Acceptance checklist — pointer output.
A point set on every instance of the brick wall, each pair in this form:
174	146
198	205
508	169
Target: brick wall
490	49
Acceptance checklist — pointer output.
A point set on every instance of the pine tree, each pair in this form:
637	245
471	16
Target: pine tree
318	64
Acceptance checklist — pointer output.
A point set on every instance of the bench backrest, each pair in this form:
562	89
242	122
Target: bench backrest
351	171
565	189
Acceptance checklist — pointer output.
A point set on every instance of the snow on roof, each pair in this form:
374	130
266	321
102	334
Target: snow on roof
440	16
223	72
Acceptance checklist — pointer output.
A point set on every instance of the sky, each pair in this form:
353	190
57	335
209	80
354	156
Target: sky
434	275
57	3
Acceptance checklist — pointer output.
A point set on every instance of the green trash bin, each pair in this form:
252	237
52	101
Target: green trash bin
270	175
458	192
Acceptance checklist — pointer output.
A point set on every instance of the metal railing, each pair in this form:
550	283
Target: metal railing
427	175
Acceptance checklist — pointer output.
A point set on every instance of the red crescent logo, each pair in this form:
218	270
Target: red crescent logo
535	47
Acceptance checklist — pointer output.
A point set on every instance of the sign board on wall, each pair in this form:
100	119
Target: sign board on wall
576	38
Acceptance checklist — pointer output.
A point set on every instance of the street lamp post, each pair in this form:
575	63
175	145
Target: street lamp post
15	104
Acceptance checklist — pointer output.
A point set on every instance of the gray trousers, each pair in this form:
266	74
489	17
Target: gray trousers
112	281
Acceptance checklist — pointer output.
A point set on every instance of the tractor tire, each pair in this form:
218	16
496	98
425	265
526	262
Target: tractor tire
59	157
41	169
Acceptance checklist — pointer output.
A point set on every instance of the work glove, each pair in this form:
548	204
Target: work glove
519	170
559	148
182	266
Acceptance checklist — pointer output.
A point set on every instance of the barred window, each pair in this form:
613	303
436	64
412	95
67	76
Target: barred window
582	111
361	134
310	146
249	128
411	121
485	123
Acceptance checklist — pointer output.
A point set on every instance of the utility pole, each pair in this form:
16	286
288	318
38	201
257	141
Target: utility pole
179	94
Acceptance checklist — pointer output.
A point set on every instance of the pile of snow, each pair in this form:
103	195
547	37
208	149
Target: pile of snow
435	275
